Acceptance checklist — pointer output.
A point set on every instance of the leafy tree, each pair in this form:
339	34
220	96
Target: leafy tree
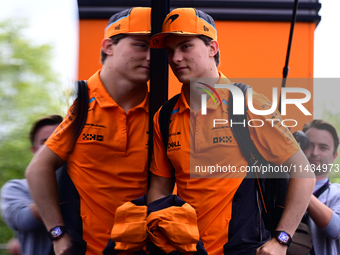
28	91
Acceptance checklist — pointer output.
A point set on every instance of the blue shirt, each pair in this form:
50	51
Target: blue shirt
16	213
326	241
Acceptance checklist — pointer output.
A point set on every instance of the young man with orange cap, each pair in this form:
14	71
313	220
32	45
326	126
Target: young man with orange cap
228	205
108	163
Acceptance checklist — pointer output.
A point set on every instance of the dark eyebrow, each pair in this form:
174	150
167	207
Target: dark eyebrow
181	43
324	144
321	144
184	42
141	40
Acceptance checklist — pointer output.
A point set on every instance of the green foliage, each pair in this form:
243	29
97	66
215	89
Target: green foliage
28	91
26	79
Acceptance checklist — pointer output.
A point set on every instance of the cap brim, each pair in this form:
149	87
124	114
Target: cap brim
129	33
139	33
157	41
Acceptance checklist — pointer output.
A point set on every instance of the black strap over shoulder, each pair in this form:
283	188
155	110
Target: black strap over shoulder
68	194
272	190
164	122
241	131
239	127
321	190
81	110
164	118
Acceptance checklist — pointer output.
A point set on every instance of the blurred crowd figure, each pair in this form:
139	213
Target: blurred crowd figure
324	211
18	210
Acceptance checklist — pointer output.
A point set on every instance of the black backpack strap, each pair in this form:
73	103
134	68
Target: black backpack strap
164	121
241	131
272	190
242	135
81	109
164	118
68	194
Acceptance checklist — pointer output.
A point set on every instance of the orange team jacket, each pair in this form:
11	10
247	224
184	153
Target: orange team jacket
228	217
108	165
171	225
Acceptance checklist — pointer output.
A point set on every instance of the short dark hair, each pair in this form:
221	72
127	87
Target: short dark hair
207	41
45	121
324	125
115	39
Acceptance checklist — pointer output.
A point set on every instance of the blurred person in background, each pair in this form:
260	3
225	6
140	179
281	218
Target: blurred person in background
18	210
324	211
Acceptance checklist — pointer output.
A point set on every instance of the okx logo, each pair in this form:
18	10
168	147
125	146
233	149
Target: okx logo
93	137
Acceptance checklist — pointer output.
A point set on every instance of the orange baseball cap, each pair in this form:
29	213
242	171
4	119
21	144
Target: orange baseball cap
136	20
185	21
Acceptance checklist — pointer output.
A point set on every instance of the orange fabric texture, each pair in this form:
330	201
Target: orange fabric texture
174	229
183	21
129	229
193	143
100	165
137	21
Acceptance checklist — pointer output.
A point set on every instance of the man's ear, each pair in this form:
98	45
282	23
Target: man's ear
213	48
335	155
33	149
107	46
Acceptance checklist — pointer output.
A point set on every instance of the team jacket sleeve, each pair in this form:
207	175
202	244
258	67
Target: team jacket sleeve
160	163
129	229
172	225
15	207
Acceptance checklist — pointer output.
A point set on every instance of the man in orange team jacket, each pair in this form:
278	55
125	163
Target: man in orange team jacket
227	206
108	164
